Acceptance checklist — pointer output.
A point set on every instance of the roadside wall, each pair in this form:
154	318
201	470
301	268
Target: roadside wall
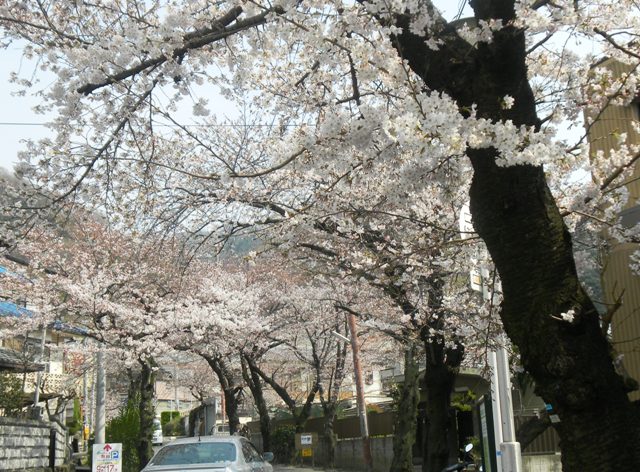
25	445
349	454
541	463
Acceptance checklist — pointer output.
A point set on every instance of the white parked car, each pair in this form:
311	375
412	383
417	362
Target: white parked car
210	454
157	433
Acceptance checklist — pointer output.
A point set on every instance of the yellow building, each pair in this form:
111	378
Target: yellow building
619	283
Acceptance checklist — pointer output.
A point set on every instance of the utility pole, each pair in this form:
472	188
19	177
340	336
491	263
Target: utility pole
223	407
509	447
175	386
362	407
100	398
36	395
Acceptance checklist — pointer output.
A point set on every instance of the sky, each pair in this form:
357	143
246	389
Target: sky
17	119
19	122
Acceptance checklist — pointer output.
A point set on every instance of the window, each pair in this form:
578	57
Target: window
251	454
196	453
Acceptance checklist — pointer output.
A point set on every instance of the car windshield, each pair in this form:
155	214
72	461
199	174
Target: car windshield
195	453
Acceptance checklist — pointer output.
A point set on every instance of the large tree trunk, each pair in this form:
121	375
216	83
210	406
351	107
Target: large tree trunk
516	215
229	389
231	408
253	380
405	428
329	436
570	362
147	410
302	416
439	378
441	369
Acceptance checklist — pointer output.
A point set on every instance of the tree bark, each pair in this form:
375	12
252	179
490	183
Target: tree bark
330	401
439	378
147	410
304	413
230	389
405	428
253	380
441	370
301	415
515	214
231	408
329	436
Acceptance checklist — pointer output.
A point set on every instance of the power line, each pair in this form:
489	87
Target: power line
218	125
20	123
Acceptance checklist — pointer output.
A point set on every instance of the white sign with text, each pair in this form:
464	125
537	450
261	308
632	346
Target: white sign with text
107	457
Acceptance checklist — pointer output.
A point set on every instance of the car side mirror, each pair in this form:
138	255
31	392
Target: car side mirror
267	456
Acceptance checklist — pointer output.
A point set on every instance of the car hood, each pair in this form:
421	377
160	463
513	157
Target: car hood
188	468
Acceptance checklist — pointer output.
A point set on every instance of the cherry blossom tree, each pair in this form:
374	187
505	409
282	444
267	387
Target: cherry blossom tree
115	289
420	263
348	92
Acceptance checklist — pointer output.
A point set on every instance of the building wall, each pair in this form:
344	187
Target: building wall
24	444
541	463
617	278
611	123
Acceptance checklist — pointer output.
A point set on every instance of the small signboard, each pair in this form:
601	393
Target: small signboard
306	441
307	452
107	457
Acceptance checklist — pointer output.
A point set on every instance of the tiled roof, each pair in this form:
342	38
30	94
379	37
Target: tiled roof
11	309
13	361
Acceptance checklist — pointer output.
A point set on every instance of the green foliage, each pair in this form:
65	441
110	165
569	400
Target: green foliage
476	452
168	416
341	409
316	411
395	394
175	427
464	401
280	414
11	395
283	443
125	429
74	424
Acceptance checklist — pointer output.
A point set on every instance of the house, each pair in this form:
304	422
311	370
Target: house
41	356
172	397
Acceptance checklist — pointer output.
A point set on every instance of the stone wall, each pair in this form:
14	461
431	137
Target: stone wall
25	444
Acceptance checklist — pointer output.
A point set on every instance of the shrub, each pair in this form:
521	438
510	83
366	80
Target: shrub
125	429
11	396
74	424
283	443
168	416
175	427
